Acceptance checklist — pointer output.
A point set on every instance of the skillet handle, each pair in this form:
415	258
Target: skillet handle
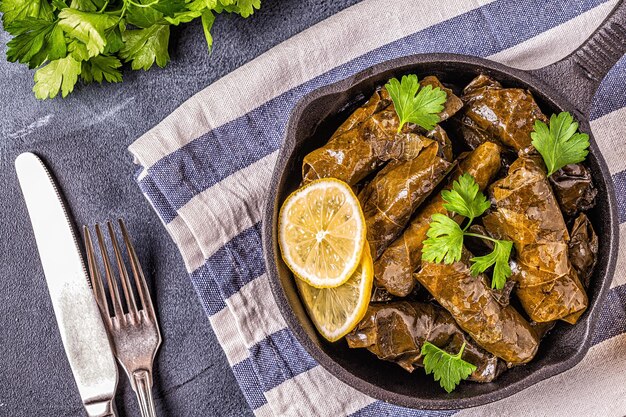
578	75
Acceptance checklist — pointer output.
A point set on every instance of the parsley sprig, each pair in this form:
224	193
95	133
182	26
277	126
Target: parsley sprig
559	144
446	368
414	104
445	236
89	39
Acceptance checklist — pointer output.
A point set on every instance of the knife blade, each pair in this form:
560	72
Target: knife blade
82	331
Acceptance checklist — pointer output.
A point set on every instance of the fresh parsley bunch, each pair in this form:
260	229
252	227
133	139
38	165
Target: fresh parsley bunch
89	39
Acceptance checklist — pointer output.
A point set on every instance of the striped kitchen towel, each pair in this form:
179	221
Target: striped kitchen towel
206	167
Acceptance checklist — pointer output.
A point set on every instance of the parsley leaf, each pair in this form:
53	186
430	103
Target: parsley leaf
59	4
445	240
35	41
445	236
101	67
244	8
143	17
87	5
465	198
184	17
13	10
60	74
448	369
421	107
114	40
207	23
144	47
500	258
202	4
170	7
78	50
89	28
559	144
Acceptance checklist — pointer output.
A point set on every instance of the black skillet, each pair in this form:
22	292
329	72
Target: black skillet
568	85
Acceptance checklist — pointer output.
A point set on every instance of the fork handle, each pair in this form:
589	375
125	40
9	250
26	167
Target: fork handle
143	389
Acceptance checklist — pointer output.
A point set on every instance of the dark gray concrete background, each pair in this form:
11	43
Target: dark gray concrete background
83	138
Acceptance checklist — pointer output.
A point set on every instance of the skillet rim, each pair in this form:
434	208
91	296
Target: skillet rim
270	211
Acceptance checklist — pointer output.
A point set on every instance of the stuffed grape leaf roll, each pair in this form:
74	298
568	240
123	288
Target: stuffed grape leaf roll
390	199
363	143
369	138
452	105
394	269
528	214
574	189
396	331
583	248
505	115
498	329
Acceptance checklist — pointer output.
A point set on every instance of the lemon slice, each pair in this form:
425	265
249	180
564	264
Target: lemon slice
321	232
336	311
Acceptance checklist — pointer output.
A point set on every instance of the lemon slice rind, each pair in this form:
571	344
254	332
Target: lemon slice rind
356	240
361	282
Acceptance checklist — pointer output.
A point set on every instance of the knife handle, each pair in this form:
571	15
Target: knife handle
143	389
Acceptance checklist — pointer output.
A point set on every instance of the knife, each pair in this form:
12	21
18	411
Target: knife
82	331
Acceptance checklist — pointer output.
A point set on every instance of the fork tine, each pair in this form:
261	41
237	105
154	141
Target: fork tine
94	274
140	279
113	291
128	290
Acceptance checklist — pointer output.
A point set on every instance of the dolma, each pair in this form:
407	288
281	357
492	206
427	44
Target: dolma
507	116
452	105
349	154
504	115
542	329
528	214
380	295
583	248
445	145
396	331
481	247
394	269
574	189
370	137
498	329
363	143
390	199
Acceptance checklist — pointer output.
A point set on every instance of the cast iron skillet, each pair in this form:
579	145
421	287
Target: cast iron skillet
568	85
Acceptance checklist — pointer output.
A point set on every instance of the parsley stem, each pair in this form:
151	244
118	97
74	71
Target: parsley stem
458	355
480	236
469	223
106	3
143	5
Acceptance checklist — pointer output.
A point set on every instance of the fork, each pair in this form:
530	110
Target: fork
135	335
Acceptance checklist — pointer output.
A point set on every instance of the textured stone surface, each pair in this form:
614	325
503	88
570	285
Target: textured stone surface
83	138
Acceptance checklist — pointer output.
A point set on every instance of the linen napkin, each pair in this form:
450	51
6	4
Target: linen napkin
206	167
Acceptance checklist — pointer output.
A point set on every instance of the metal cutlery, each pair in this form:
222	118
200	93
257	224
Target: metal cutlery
82	332
135	334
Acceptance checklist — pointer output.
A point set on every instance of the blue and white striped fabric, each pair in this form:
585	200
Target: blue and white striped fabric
206	168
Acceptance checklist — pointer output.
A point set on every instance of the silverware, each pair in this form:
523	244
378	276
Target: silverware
84	337
135	335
